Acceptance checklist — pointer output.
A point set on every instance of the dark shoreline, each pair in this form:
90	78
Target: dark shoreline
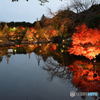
17	24
23	43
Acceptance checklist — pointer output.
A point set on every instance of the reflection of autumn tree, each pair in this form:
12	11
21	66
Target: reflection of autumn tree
85	76
86	42
54	50
3	51
54	68
30	48
45	50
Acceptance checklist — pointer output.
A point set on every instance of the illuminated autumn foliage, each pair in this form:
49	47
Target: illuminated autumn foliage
85	76
53	47
86	42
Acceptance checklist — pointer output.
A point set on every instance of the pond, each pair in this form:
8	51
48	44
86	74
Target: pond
40	72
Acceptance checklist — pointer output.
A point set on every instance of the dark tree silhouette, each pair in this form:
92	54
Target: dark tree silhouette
82	5
1	59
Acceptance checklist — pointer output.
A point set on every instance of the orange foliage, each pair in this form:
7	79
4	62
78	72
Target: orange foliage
86	42
53	32
85	76
53	47
21	28
33	30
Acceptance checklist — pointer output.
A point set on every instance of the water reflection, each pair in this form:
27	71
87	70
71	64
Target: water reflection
40	49
55	69
84	75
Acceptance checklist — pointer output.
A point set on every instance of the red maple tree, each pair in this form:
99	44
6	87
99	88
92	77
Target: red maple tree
85	42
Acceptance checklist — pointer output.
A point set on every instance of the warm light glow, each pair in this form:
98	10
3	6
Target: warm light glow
85	76
86	42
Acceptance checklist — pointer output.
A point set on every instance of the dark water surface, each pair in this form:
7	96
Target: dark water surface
36	73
